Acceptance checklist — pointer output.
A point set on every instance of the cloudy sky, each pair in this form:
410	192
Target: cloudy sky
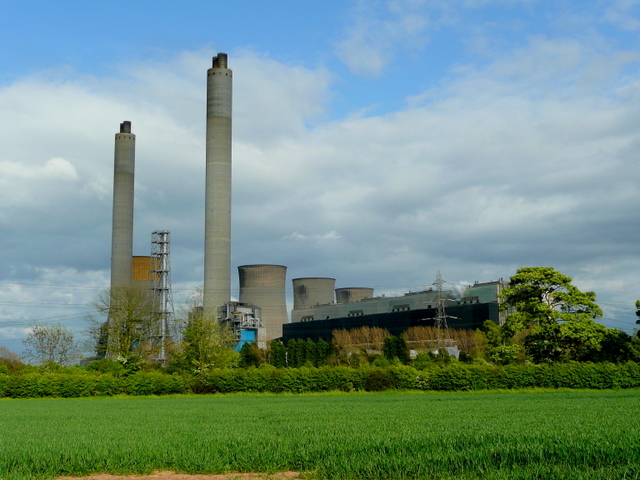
377	142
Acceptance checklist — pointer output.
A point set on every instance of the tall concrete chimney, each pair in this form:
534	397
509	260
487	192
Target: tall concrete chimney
217	222
123	189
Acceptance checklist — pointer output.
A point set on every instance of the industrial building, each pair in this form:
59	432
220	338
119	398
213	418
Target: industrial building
316	312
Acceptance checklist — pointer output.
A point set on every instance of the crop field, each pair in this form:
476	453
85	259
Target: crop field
482	435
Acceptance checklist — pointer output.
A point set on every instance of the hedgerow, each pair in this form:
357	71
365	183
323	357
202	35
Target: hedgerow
445	377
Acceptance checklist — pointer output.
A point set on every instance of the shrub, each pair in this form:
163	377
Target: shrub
266	378
154	383
106	365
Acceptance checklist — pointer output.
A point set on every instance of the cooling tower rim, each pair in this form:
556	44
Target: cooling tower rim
313	278
262	265
354	288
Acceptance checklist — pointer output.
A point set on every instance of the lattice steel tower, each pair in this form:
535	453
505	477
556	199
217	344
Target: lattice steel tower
161	273
441	315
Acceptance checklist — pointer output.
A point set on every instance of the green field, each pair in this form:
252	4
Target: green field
492	435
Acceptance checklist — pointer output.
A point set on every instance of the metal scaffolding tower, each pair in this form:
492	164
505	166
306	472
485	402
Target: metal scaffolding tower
161	273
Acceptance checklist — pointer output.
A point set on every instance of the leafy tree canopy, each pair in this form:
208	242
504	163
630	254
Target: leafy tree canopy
542	296
560	317
207	344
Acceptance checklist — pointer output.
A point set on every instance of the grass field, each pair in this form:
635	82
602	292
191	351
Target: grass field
492	435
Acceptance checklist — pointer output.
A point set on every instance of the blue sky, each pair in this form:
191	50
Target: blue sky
376	142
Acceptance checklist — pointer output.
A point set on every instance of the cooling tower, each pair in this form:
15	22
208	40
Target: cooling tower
311	291
263	286
123	188
353	294
217	224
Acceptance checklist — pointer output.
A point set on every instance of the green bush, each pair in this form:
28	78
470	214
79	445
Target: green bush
154	383
454	376
558	375
4	382
107	365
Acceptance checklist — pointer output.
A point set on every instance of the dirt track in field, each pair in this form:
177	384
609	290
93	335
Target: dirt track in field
182	476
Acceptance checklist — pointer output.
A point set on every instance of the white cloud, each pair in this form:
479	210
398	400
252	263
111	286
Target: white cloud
19	181
276	100
624	14
379	29
319	237
14	333
54	169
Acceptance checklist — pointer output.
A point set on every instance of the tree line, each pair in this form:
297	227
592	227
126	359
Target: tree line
549	320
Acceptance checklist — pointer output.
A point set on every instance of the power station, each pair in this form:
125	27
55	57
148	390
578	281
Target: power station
260	313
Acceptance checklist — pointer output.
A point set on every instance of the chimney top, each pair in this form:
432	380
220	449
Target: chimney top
220	60
125	127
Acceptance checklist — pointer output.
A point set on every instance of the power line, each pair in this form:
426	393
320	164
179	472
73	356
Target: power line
79	287
43	304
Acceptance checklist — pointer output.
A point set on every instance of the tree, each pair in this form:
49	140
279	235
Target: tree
324	351
295	353
277	354
50	344
617	347
310	353
500	350
560	318
469	342
207	344
251	355
132	323
396	347
542	296
10	362
106	365
638	315
6	354
359	341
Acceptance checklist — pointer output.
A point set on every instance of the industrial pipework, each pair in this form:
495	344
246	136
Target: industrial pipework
217	224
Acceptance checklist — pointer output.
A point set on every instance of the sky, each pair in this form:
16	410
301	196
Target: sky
376	142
